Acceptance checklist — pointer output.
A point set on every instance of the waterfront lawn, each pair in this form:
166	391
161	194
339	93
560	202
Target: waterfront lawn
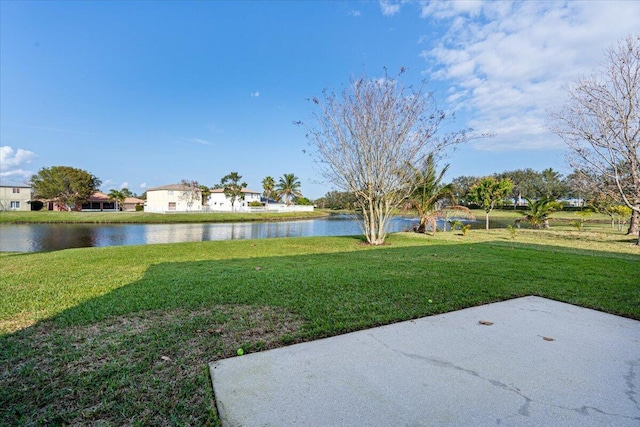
123	335
50	217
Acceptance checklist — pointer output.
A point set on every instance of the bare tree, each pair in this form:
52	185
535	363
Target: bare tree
368	139
190	192
600	123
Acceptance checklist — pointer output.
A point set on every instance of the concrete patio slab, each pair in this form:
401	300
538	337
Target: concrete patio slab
533	362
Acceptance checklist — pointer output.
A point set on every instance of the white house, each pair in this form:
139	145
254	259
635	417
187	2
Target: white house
173	198
15	198
219	202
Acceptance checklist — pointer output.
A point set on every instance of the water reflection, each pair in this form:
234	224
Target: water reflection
48	237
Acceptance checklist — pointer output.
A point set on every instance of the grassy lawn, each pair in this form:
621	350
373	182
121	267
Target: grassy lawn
14	217
123	335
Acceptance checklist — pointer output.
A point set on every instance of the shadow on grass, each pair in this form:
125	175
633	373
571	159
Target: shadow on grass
138	355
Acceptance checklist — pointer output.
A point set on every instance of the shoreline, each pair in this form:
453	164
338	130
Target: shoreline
46	217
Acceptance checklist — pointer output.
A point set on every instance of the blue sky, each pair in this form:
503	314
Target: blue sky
147	93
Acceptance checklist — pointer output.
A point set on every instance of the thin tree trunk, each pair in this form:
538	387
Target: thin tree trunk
634	223
487	221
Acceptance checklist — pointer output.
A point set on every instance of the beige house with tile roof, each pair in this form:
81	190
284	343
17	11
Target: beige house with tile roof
173	198
99	202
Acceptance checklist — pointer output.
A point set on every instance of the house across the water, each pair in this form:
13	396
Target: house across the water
15	197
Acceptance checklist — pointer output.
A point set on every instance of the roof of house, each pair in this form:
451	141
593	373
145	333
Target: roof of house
178	187
244	190
99	196
9	185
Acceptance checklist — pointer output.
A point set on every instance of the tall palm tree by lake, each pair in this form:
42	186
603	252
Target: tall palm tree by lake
268	185
289	187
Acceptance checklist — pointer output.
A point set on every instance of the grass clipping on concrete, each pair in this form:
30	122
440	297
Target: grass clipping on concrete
123	335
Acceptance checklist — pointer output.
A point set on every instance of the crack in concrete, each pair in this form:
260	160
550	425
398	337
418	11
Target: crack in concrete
524	408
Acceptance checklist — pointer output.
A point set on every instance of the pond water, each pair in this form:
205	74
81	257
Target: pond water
49	237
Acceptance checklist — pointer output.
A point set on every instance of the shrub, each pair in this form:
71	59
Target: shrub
303	201
36	205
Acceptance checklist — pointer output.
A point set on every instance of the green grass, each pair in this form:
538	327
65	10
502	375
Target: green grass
14	217
123	335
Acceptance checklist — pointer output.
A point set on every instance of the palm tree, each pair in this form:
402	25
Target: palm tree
289	187
118	197
430	196
268	185
205	192
539	211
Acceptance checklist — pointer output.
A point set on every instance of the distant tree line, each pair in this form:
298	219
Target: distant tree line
527	183
538	191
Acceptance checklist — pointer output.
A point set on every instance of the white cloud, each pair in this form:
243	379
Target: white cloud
389	8
354	13
143	185
508	63
16	174
443	9
197	141
12	161
124	185
255	94
11	158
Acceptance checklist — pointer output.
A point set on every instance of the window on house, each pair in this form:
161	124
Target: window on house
172	206
15	205
16	191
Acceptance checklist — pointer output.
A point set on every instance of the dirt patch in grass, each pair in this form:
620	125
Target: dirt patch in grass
17	322
146	368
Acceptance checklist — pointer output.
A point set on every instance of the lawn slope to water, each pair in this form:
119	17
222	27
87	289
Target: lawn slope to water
123	335
50	217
